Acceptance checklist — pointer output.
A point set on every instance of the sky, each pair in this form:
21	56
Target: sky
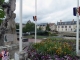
48	11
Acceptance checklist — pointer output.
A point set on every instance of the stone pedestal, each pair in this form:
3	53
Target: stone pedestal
10	39
21	55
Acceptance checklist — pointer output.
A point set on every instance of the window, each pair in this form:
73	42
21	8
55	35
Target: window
69	26
65	23
62	26
66	29
43	25
65	26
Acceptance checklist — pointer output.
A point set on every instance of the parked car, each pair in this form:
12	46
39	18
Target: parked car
23	40
23	34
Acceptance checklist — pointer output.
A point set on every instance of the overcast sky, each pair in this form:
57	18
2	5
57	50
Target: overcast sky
48	11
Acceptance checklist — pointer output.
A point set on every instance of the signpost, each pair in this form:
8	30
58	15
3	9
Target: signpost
77	36
76	12
35	19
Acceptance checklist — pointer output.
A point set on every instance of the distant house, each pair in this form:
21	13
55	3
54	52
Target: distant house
69	26
42	26
23	25
52	26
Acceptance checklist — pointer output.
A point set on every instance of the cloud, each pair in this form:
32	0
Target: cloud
47	10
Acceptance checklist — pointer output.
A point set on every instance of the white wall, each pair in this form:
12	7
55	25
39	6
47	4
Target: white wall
60	29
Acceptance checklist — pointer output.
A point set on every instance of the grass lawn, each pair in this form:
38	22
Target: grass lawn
41	37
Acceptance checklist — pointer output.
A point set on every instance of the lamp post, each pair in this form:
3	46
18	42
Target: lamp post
20	28
77	34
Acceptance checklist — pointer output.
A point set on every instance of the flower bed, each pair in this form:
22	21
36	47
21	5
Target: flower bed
49	49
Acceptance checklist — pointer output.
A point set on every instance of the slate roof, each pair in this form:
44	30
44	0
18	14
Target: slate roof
67	23
42	24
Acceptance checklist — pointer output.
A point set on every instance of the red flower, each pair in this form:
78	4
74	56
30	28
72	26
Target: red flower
0	55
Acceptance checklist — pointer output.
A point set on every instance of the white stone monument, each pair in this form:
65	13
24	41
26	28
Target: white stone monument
8	24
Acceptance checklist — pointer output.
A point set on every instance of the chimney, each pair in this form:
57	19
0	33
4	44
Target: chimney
60	20
73	20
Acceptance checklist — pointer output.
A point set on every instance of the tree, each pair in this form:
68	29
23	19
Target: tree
47	28
2	14
17	26
0	21
29	27
39	29
1	2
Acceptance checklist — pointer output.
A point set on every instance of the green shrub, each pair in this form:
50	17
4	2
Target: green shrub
43	33
50	47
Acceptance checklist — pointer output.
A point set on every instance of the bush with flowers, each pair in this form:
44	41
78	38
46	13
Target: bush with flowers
49	49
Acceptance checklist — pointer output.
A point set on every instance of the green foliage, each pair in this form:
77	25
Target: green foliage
24	30
1	9
0	21
1	2
43	33
17	26
2	14
40	28
29	27
47	28
53	47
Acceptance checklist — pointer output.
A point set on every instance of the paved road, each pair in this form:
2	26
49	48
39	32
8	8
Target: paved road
29	41
24	44
33	40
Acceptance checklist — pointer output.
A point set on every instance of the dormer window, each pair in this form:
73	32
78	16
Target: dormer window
65	23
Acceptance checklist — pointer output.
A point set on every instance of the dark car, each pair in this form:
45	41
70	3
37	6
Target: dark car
24	34
23	40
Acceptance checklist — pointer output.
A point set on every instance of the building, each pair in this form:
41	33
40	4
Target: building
42	26
69	26
52	26
23	25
